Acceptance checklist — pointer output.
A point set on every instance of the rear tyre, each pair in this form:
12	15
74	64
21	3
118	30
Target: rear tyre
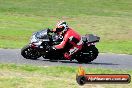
87	55
30	53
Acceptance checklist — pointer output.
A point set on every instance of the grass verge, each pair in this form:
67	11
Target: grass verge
27	76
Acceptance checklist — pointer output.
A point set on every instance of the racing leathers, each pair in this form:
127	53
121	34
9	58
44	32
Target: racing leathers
72	37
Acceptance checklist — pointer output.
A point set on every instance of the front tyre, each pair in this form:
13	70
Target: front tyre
30	53
88	54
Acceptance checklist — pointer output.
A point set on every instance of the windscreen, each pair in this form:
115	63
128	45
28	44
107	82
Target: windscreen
42	34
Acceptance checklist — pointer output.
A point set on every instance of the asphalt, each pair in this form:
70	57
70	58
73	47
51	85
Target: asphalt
106	60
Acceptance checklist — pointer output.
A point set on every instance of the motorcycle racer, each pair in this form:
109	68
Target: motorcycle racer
69	36
61	43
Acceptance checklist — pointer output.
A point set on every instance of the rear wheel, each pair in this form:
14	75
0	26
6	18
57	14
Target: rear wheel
30	53
87	55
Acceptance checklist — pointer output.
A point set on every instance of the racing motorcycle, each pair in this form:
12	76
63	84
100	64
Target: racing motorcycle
40	42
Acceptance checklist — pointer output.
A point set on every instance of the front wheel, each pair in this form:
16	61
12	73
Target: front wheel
87	55
30	53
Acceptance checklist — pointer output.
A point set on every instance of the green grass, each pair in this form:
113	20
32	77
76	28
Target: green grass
27	76
109	19
116	47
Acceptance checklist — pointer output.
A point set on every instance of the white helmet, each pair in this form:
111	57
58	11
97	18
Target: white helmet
61	26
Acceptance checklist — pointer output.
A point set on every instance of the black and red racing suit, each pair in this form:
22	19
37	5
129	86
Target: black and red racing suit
74	39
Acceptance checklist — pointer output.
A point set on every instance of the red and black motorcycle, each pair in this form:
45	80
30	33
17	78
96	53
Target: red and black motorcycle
41	40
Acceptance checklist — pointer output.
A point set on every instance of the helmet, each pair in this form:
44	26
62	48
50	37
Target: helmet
61	26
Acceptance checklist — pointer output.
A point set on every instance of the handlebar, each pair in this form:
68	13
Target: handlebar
49	30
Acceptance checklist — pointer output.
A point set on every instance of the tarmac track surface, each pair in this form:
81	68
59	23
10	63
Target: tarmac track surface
107	60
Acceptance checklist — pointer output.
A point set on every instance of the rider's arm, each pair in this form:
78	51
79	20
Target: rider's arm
63	43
